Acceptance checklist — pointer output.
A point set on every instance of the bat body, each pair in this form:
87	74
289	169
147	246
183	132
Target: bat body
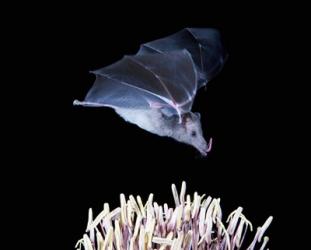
188	131
155	88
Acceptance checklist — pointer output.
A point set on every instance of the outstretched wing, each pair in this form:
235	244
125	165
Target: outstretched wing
166	80
204	45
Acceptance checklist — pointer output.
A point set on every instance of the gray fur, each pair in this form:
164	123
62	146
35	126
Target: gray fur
188	131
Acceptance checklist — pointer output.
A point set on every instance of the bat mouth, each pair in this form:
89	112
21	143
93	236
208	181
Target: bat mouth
206	148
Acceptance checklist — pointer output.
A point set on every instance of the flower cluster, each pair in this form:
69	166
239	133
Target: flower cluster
194	224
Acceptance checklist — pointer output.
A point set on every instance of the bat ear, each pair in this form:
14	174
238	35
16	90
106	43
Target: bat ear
198	115
186	118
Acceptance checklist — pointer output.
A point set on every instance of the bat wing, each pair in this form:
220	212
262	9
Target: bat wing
204	45
166	80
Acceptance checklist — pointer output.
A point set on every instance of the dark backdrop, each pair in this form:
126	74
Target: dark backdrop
84	157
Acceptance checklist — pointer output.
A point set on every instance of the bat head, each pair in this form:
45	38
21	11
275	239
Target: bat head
190	132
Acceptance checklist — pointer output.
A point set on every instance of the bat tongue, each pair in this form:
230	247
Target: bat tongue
207	147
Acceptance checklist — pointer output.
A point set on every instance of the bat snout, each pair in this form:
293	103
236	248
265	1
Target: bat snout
204	148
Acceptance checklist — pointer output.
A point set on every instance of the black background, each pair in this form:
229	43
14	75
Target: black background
83	157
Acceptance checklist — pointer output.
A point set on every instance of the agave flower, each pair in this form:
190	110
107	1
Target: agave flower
193	224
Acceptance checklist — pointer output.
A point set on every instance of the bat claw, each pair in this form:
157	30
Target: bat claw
77	102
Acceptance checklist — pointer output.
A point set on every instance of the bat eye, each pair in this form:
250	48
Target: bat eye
193	134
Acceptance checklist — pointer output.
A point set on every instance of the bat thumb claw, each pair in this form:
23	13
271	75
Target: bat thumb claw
77	102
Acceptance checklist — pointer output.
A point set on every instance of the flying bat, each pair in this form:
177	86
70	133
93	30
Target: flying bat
156	87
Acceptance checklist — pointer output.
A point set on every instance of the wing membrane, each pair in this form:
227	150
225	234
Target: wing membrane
167	79
204	45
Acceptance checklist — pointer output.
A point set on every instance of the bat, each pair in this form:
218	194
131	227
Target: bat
156	87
